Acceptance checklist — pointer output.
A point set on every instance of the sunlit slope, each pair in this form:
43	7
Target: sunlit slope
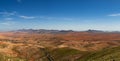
109	54
9	58
66	54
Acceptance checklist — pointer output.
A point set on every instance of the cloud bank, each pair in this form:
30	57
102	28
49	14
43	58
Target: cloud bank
27	17
118	14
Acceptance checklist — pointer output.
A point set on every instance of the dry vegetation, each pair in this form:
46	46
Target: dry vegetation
54	47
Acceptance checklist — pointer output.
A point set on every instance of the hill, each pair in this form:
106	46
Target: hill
108	54
55	45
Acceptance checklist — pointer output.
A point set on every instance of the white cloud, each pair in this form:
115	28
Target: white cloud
27	17
8	23
15	14
8	19
118	14
8	13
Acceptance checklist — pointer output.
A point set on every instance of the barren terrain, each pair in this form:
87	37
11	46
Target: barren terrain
69	46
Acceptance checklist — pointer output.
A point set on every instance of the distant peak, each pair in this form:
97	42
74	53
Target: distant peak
90	30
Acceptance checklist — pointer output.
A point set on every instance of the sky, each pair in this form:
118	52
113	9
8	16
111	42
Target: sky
60	14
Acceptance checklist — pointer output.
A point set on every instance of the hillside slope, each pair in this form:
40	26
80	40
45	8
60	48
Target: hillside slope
109	54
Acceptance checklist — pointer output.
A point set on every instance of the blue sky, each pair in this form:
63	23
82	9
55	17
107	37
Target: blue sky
60	14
